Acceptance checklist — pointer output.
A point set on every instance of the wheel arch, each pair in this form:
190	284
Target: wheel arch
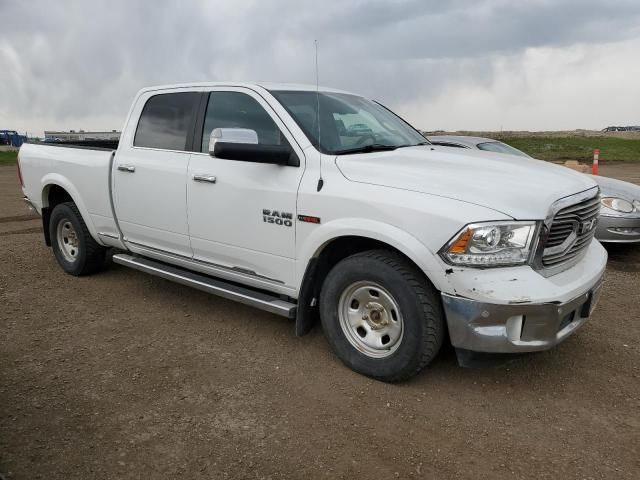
57	189
355	237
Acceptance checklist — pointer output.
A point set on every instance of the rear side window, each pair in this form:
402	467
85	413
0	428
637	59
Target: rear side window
166	120
239	110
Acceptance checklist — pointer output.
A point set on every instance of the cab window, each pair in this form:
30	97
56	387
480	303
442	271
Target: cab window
166	120
239	110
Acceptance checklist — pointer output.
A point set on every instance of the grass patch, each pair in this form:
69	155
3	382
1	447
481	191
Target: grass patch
577	148
8	158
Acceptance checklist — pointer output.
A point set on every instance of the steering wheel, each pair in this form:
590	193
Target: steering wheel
362	139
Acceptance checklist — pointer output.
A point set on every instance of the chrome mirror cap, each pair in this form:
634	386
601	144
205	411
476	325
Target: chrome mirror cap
232	135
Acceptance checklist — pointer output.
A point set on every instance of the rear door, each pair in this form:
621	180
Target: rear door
244	222
150	173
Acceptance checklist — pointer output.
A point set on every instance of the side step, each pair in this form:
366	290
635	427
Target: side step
264	301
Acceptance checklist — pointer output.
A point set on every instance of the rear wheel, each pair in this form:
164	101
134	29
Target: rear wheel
381	316
73	246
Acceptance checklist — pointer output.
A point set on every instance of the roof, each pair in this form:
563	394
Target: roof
462	140
251	85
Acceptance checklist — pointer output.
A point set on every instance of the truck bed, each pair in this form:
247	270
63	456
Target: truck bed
83	169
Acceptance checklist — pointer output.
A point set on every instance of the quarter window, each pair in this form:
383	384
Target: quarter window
166	120
239	110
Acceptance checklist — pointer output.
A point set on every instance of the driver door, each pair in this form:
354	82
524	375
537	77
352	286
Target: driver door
242	215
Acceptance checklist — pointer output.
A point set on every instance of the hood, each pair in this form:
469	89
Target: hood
520	187
611	187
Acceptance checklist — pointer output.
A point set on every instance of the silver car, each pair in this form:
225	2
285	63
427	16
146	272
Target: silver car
619	220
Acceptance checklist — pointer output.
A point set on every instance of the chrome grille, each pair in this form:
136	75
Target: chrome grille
571	231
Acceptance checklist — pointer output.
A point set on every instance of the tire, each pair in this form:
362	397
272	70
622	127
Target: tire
409	314
73	246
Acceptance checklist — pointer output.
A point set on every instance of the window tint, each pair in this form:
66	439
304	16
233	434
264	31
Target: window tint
165	121
239	110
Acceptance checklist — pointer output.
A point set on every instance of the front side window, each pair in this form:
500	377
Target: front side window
239	110
166	120
347	123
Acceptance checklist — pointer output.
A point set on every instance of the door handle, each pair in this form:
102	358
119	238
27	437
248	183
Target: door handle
127	168
204	178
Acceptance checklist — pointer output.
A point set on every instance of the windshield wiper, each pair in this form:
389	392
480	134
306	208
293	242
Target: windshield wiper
376	147
415	144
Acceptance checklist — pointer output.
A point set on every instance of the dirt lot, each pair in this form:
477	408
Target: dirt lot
122	375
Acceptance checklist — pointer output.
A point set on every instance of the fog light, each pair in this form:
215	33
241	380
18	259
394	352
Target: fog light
625	230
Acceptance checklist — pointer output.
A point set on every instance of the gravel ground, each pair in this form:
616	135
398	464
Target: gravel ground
122	375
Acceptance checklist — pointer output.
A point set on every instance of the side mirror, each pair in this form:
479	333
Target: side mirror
242	144
232	135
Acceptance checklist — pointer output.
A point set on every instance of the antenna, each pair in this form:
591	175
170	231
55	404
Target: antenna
320	180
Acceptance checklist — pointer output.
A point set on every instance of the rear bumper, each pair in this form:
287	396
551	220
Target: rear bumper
30	205
618	229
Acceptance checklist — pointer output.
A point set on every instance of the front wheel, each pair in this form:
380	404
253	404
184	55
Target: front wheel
381	315
73	246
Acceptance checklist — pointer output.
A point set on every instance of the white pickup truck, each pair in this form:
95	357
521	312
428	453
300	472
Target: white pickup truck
320	203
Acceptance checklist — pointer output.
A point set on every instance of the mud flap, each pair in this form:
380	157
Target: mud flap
308	313
46	215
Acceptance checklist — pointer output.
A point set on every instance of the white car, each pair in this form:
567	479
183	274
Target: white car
619	220
249	191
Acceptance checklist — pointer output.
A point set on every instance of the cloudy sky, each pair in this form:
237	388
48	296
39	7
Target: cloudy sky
456	64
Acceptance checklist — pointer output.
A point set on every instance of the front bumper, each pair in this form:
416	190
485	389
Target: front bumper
517	310
486	327
618	229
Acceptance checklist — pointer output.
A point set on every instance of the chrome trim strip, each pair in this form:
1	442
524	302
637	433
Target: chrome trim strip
111	202
157	250
214	286
558	205
235	269
110	235
563	247
570	200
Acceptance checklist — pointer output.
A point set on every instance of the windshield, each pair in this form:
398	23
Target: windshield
348	123
499	147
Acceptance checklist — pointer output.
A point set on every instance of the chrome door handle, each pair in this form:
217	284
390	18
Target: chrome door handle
127	168
204	178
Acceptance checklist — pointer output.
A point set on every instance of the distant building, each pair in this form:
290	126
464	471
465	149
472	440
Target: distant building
631	128
80	135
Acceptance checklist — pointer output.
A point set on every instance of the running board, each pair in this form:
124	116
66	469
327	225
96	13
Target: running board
264	301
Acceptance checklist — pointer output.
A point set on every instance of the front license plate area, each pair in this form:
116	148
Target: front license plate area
592	301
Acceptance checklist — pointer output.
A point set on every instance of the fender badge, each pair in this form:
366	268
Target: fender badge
308	219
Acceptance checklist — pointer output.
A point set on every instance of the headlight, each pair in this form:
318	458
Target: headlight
636	203
491	244
617	204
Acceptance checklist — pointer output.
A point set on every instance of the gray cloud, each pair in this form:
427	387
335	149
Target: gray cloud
74	64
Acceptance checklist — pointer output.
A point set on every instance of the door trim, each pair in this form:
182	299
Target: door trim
245	272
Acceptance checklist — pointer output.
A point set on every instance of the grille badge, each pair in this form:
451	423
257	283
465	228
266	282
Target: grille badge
587	226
